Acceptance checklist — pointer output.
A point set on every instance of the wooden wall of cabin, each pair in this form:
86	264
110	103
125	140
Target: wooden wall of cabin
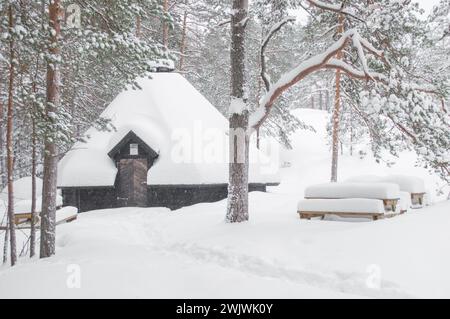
86	199
172	196
175	197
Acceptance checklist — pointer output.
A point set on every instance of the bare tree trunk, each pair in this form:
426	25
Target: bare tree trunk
6	242
183	41
336	113
2	153
33	169
312	102
327	100
33	194
9	146
320	100
138	27
237	210
50	148
258	139
3	178
351	130
165	26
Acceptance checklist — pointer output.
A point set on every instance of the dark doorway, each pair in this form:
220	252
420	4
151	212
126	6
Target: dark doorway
132	182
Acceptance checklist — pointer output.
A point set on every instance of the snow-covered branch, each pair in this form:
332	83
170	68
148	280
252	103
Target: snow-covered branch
332	7
321	61
353	72
275	28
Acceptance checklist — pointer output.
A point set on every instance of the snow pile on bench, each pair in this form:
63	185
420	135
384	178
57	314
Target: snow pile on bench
66	214
24	206
23	194
346	205
353	190
410	184
365	179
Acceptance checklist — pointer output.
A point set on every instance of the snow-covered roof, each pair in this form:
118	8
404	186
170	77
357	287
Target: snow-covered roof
176	121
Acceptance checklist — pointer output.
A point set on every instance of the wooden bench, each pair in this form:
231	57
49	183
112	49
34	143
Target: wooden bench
388	193
322	215
413	185
344	207
68	219
22	218
309	215
417	199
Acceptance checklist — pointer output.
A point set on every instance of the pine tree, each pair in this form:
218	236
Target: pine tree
9	134
237	210
336	111
49	187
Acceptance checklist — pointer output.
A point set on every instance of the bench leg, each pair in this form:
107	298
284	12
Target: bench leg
305	216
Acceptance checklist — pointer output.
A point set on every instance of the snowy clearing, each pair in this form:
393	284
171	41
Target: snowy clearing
193	253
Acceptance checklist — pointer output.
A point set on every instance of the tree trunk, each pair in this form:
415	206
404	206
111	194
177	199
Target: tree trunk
183	41
9	146
6	242
351	130
50	147
165	26
320	100
336	112
33	194
258	139
138	27
327	100
237	210
33	170
2	152
3	179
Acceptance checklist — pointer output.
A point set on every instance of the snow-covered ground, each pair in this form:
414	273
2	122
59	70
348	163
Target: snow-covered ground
193	253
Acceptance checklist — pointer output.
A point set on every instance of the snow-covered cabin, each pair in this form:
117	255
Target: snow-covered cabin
169	149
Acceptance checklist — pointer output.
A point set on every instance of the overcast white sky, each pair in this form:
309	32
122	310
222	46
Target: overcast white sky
427	5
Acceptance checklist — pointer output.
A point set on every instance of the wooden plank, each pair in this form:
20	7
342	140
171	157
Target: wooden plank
350	198
67	220
25	225
376	216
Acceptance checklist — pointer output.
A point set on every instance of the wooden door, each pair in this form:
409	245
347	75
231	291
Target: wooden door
132	183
